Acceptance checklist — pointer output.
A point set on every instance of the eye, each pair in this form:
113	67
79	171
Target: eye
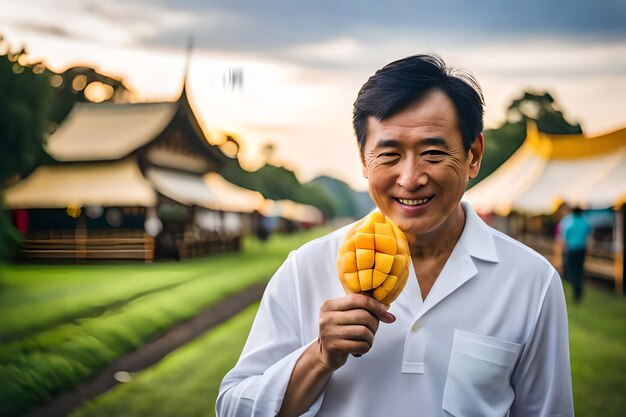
434	155
387	156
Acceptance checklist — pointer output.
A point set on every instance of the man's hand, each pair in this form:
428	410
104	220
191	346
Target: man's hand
347	326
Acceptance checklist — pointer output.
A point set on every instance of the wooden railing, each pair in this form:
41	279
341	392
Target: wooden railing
89	245
600	263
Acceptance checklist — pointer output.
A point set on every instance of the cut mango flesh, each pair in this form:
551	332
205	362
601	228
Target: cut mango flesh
374	258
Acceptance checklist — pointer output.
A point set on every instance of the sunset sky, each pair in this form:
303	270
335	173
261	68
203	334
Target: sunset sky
303	62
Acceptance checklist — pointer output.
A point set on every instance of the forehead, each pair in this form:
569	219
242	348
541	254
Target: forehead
432	115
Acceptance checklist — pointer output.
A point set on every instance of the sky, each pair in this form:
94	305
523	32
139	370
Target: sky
304	62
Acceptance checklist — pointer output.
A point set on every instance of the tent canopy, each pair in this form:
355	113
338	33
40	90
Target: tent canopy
548	170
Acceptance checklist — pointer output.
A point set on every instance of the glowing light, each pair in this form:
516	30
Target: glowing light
22	60
98	92
230	148
39	69
94	212
56	81
17	68
79	82
73	211
114	217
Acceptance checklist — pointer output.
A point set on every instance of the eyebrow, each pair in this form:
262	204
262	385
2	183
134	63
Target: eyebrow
387	143
429	141
435	141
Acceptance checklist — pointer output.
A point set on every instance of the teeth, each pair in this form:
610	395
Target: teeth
414	202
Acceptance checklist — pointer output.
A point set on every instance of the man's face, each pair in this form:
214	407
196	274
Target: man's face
417	167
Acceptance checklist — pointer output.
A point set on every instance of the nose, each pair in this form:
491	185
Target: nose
411	176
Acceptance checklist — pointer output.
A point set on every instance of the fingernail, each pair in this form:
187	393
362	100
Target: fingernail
392	318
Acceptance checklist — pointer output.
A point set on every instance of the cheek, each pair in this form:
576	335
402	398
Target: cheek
379	174
455	169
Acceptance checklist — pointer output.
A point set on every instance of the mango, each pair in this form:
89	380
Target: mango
374	258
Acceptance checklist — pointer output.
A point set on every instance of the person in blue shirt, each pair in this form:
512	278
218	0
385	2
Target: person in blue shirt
574	230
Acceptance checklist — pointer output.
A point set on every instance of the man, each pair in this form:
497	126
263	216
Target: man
574	230
479	330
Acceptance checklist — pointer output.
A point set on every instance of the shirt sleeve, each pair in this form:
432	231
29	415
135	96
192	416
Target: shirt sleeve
542	379
257	384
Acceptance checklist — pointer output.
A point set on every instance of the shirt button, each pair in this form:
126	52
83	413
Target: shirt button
415	327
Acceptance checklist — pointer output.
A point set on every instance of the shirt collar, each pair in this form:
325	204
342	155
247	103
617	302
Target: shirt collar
476	241
477	237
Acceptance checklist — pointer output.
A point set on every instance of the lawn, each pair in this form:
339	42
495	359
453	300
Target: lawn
598	353
196	371
60	324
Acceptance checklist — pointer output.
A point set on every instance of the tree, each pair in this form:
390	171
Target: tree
542	108
83	84
502	142
25	95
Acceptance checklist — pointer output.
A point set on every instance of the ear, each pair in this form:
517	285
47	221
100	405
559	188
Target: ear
476	156
363	168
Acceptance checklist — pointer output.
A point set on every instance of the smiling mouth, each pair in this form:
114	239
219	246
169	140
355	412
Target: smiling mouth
417	202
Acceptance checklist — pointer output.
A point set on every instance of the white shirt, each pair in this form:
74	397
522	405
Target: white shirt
490	339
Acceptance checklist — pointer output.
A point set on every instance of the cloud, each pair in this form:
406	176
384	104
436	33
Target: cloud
113	22
324	34
43	28
275	25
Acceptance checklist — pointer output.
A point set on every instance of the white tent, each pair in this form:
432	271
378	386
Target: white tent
548	170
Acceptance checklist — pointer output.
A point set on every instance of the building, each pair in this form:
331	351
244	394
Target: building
131	181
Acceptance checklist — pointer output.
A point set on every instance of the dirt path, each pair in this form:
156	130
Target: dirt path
150	353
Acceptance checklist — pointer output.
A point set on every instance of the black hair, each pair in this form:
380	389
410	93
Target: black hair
399	84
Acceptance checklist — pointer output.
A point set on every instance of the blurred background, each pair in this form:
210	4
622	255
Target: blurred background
159	159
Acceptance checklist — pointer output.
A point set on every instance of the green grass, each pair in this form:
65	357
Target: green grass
598	353
77	325
196	371
81	318
597	329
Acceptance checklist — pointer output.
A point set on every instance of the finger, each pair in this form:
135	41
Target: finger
359	301
345	346
375	307
353	301
350	332
352	317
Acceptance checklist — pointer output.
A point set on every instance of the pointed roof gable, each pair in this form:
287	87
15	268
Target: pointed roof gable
108	131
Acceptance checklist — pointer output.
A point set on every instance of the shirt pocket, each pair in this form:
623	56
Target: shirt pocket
479	373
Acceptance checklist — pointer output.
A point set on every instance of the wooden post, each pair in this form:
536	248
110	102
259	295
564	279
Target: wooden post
80	238
619	234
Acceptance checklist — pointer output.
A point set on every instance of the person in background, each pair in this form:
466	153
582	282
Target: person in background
574	230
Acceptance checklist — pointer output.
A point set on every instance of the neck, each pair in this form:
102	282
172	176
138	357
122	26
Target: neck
439	242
